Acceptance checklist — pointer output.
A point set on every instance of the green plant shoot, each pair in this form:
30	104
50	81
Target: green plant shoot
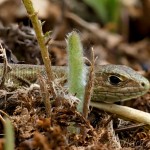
77	71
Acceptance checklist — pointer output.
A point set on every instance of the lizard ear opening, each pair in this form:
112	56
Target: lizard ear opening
114	80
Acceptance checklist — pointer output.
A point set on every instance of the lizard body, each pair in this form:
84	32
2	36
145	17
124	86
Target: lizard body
112	82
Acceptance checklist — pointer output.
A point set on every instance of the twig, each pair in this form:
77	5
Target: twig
6	67
124	112
45	96
2	119
88	92
88	88
40	38
111	40
6	115
131	127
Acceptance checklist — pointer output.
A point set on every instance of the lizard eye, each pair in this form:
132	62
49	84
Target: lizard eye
114	80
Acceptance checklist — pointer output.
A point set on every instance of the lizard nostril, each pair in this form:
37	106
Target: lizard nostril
143	84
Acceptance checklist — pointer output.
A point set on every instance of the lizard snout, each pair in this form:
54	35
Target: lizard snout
145	84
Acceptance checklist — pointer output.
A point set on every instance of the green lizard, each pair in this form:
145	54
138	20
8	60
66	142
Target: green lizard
112	83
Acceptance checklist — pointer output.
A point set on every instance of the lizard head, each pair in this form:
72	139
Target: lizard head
118	83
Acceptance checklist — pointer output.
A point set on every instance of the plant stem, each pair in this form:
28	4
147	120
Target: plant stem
9	135
77	72
40	37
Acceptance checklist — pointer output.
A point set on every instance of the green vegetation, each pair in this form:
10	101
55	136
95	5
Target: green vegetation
107	10
77	72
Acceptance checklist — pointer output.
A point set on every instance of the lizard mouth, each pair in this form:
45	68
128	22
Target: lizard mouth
121	95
